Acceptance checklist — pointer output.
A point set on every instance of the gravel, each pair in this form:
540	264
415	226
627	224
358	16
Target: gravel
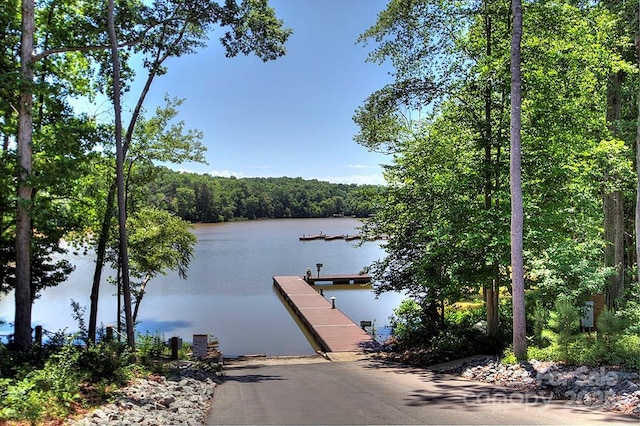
603	387
184	397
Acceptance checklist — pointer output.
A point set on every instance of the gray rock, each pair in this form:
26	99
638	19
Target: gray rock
602	387
183	399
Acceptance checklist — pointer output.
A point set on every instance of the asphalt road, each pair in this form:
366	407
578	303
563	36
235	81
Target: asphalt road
373	392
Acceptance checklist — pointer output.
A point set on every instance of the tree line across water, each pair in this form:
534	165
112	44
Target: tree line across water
205	198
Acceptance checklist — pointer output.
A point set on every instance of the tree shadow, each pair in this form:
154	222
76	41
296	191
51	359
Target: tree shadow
450	391
235	373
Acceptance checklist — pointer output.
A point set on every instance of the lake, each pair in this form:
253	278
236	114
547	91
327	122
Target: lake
229	291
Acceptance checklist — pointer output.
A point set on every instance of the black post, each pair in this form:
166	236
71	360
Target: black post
175	343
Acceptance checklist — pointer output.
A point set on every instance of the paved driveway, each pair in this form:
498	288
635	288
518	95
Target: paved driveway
371	392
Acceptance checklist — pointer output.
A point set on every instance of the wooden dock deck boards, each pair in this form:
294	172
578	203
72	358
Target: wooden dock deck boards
341	279
332	329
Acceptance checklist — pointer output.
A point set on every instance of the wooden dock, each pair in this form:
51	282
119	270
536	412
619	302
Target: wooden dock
340	279
312	237
332	330
334	237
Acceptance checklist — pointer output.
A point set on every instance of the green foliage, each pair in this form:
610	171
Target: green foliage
609	324
150	347
627	348
630	311
613	345
22	401
203	198
406	324
508	357
541	354
18	363
256	29
463	333
539	319
78	315
588	350
564	322
445	120
107	361
159	242
37	392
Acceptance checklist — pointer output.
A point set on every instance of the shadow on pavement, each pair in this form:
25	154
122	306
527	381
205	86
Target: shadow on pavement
453	392
251	378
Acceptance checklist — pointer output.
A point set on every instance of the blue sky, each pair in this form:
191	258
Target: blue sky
289	117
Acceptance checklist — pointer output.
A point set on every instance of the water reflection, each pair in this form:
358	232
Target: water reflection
229	290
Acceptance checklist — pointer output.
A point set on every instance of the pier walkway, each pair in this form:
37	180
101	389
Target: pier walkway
340	279
332	330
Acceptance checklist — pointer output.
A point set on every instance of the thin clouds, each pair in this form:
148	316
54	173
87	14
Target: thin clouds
226	173
375	179
372	179
361	166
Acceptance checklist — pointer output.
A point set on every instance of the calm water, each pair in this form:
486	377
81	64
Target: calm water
229	292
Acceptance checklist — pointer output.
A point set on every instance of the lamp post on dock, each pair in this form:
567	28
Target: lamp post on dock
333	302
318	265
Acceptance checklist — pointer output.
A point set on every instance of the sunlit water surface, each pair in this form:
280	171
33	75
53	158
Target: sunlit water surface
229	291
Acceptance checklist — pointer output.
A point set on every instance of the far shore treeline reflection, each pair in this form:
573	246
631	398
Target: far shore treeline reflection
209	199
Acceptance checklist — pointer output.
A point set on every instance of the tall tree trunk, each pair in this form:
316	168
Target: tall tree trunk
613	207
119	307
637	216
122	213
616	291
490	288
4	208
139	296
106	223
491	302
22	331
517	210
100	258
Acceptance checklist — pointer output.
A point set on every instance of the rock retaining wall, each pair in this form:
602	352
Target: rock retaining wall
602	387
184	397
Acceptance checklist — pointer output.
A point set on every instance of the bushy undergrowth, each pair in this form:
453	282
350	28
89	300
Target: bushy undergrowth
53	381
615	343
556	336
152	350
588	350
462	334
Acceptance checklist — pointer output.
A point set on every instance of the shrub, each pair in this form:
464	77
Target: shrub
563	326
50	390
54	389
406	323
108	361
609	324
631	314
17	364
539	320
151	346
628	349
20	401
